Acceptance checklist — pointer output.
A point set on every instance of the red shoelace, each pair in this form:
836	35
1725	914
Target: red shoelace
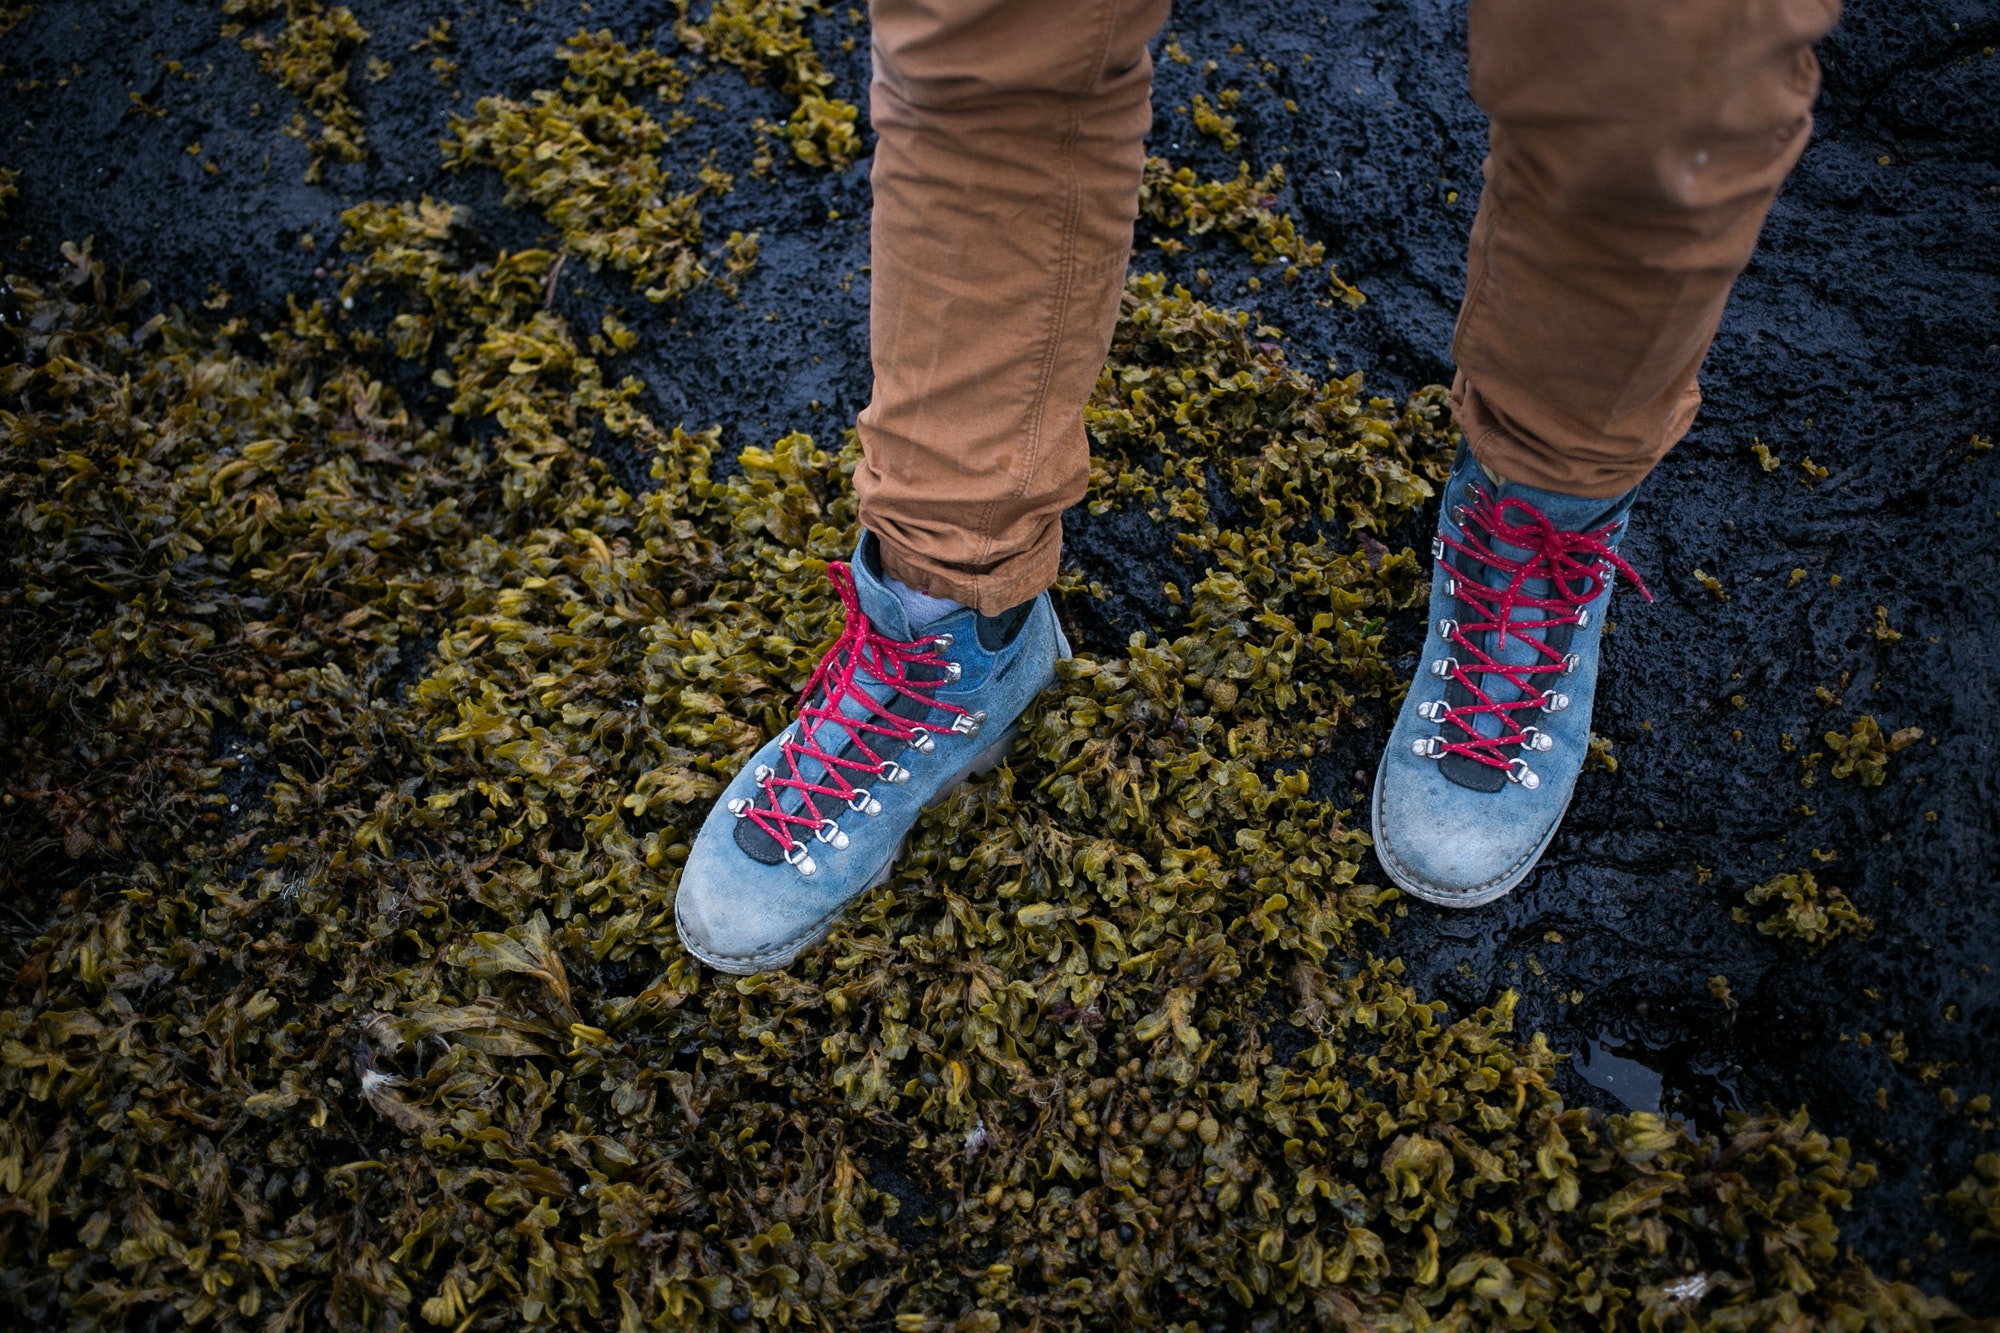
858	649
1576	566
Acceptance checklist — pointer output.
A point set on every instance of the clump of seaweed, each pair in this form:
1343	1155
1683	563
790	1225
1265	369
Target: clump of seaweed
766	39
9	189
590	161
589	158
823	131
1241	209
311	57
1975	1200
1806	911
364	748
1212	120
1863	753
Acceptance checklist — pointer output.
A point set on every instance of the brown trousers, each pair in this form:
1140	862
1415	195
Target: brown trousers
1635	147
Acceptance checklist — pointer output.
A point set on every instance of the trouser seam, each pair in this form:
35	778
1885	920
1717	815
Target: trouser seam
1065	289
1497	199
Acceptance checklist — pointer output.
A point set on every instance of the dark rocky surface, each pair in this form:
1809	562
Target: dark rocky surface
1866	335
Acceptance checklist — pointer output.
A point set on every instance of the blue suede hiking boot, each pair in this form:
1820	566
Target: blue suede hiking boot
1492	735
891	721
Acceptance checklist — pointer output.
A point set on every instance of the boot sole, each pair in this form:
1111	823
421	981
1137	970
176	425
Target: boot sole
1479	897
982	763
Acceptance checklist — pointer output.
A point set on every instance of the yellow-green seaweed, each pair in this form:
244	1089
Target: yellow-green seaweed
766	39
1240	209
1975	1200
354	749
589	160
1863	753
311	57
1813	914
378	741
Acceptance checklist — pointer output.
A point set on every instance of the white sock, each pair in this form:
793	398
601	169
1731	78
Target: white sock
921	607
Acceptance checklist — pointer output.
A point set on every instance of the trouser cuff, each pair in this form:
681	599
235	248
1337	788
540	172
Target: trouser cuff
1599	469
990	590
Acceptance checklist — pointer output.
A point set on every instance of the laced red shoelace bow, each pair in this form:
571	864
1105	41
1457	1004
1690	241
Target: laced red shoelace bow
1576	565
859	648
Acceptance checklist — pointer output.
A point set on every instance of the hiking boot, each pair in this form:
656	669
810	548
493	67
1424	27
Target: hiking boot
890	722
1493	733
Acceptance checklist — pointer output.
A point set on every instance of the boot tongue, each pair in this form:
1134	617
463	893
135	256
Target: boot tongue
1566	513
885	610
887	617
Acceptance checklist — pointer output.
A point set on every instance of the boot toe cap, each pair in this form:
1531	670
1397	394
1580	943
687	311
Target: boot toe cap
727	922
1455	862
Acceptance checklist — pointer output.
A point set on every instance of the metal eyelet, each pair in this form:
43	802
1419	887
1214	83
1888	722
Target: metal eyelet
762	774
1534	738
799	859
940	642
1432	710
952	672
1583	618
893	772
830	833
1428	747
922	743
862	802
740	806
1571	662
1458	515
1437	548
1443	667
1447	627
1554	703
967	724
1518	771
1450	587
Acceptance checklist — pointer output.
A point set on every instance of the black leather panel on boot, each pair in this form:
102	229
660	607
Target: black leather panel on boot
1458	768
751	836
996	632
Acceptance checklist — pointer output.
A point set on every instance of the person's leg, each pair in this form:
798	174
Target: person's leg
1010	139
1635	149
1006	185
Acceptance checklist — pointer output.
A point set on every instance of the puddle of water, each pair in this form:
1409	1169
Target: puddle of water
1637	1086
